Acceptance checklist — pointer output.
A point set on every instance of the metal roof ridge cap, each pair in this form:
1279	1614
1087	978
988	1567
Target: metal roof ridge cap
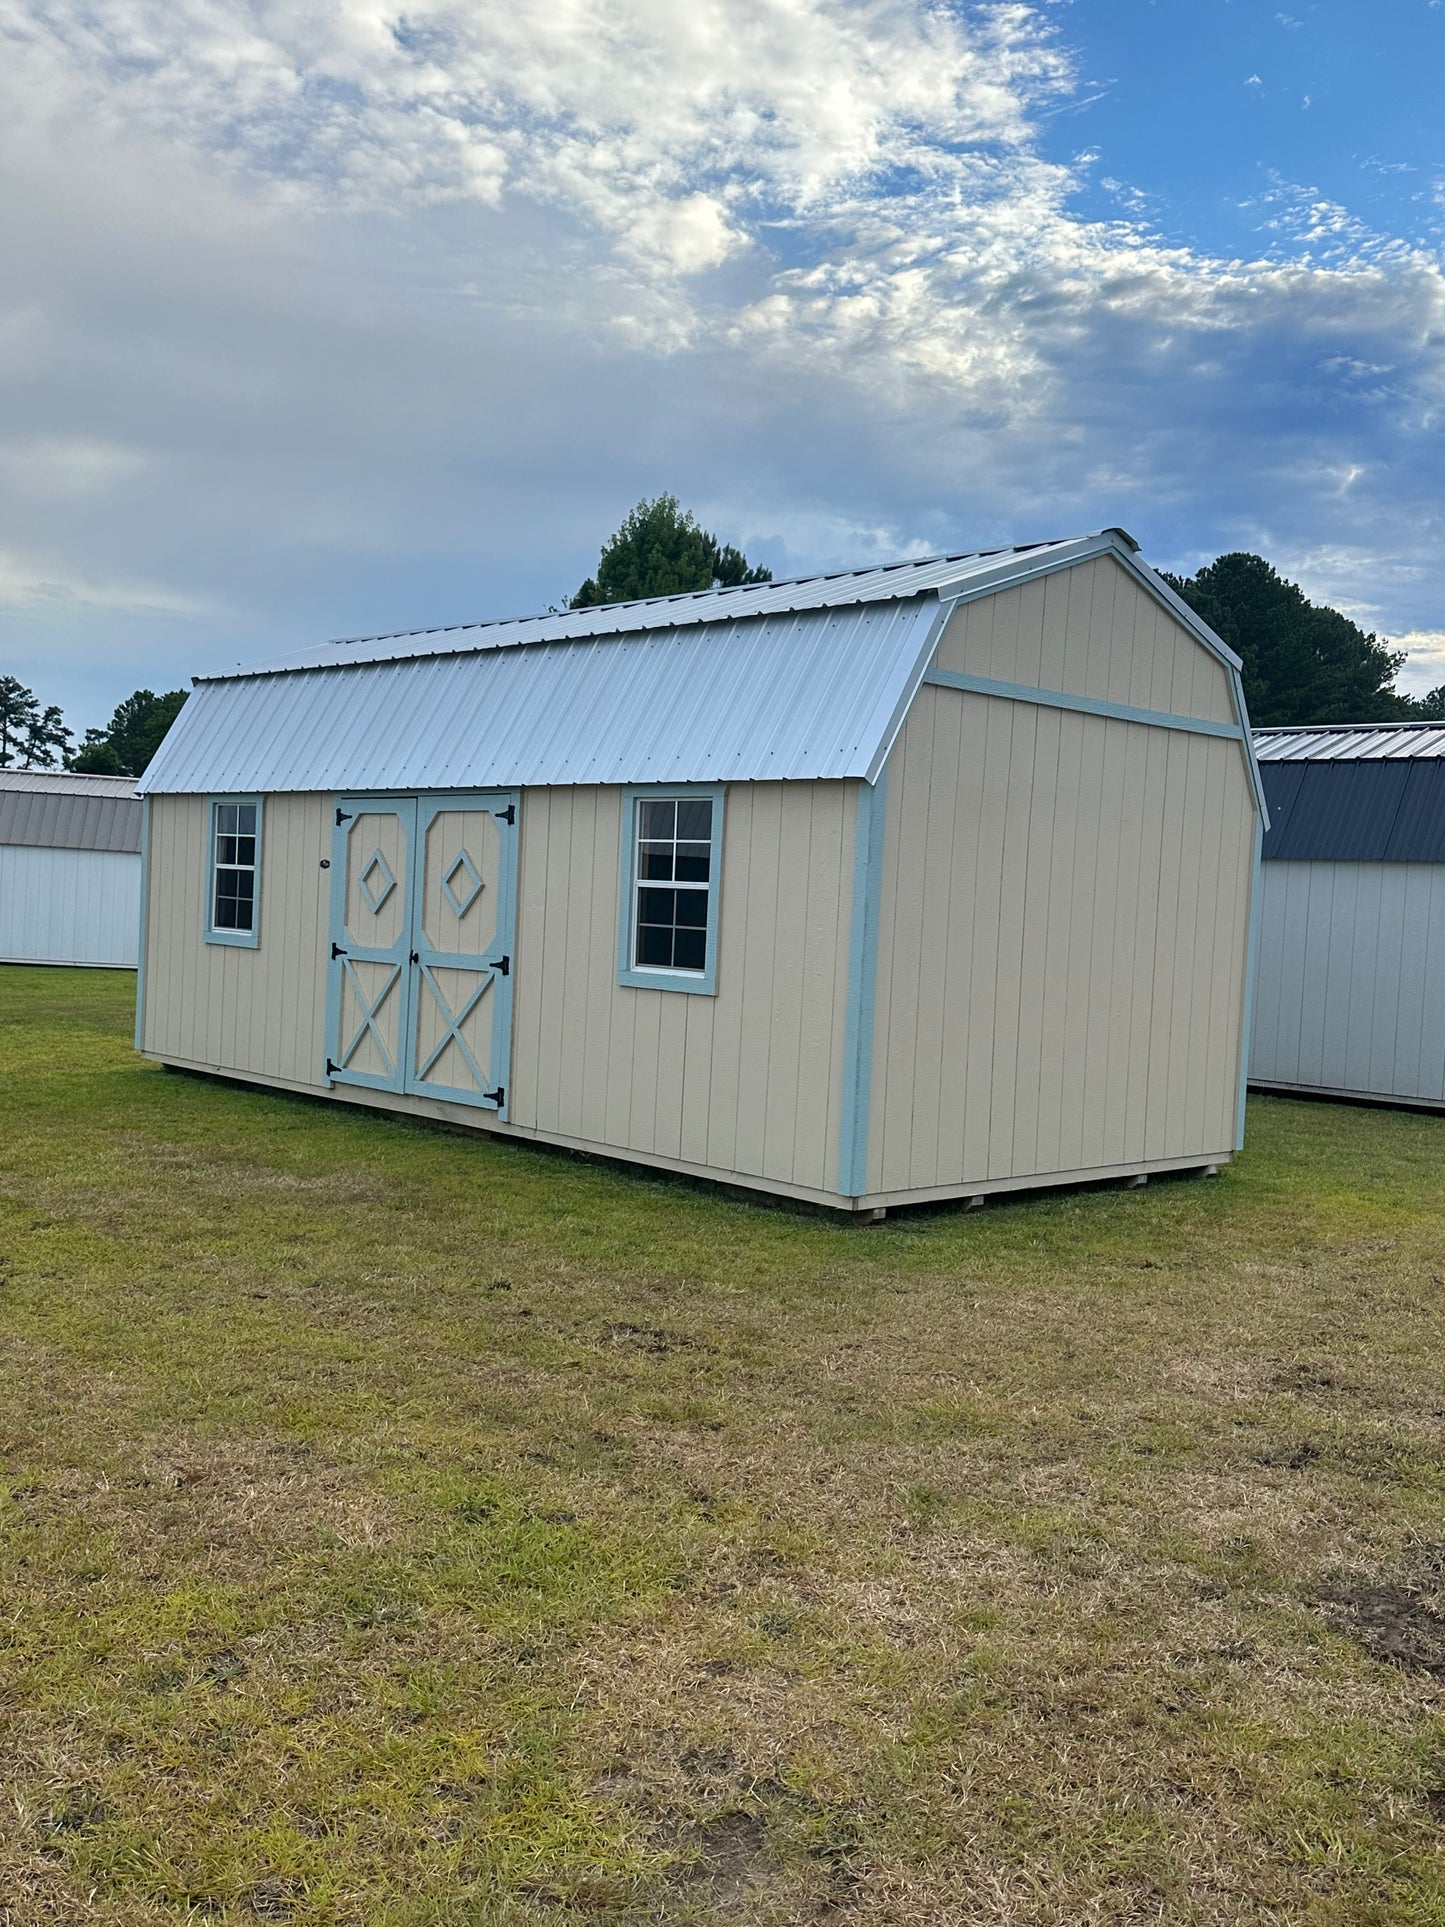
1025	560
652	631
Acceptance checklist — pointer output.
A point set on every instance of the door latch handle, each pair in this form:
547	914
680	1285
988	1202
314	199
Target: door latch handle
337	951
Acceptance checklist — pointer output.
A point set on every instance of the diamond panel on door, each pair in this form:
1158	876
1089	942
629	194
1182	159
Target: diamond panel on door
369	984
461	1009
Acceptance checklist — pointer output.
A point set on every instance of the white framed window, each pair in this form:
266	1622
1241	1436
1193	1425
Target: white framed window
671	872
233	871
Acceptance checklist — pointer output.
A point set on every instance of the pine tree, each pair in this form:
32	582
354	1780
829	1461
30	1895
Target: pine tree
19	716
1304	662
132	736
661	550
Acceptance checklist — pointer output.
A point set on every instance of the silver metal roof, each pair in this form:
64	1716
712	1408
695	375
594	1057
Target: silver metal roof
776	681
1355	742
59	810
820	693
66	782
943	574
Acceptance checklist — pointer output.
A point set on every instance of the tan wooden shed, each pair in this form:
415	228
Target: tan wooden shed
909	883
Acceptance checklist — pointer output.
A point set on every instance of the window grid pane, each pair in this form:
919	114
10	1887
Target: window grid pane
233	865
674	848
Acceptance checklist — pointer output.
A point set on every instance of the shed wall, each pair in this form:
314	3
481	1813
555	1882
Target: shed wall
69	906
262	1011
747	1082
1350	994
1089	631
1064	915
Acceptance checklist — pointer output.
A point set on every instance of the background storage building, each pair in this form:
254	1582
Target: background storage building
907	883
1351	972
70	868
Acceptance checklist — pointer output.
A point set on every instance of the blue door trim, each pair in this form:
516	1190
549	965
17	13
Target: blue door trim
339	966
503	944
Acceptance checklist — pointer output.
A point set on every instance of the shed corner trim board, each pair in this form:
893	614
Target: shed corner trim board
862	987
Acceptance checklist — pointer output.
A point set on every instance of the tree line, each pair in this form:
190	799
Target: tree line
1304	662
35	736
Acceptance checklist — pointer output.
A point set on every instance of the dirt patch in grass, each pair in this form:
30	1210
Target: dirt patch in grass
1399	1619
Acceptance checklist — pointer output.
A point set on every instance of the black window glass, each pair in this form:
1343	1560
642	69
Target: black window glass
655	862
689	950
235	899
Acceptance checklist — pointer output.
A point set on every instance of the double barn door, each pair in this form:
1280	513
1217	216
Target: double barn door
423	911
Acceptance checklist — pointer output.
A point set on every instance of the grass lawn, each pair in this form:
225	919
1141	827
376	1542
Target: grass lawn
403	1529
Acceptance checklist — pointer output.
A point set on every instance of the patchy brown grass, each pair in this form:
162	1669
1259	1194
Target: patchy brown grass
407	1530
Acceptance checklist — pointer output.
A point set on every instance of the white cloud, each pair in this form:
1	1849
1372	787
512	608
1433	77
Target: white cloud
310	303
1425	668
28	583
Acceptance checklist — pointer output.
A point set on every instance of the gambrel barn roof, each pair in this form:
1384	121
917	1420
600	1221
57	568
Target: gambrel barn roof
775	681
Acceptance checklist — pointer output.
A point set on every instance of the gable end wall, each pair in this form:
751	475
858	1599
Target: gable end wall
1065	908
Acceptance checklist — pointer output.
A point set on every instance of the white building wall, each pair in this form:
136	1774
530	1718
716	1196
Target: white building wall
1350	993
69	906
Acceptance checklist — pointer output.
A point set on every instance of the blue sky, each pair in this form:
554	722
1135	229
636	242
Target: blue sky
327	318
1202	106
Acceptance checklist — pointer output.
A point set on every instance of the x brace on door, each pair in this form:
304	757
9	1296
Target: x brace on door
369	1011
453	1024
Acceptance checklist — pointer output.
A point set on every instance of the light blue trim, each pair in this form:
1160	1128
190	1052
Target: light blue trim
699	983
916	677
140	955
1022	692
235	939
1256	781
503	944
1251	970
396	954
862	988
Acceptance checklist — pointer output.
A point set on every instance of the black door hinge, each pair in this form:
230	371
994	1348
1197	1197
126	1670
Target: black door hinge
504	964
508	815
342	816
337	951
497	1097
331	1069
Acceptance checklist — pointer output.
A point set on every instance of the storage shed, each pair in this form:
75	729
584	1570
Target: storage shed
70	868
1351	998
914	882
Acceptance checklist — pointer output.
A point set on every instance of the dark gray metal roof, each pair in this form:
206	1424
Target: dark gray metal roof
59	810
1354	811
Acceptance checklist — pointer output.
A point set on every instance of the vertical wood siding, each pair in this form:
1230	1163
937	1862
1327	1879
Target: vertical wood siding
748	1081
262	1010
69	906
1350	991
1065	912
1090	631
